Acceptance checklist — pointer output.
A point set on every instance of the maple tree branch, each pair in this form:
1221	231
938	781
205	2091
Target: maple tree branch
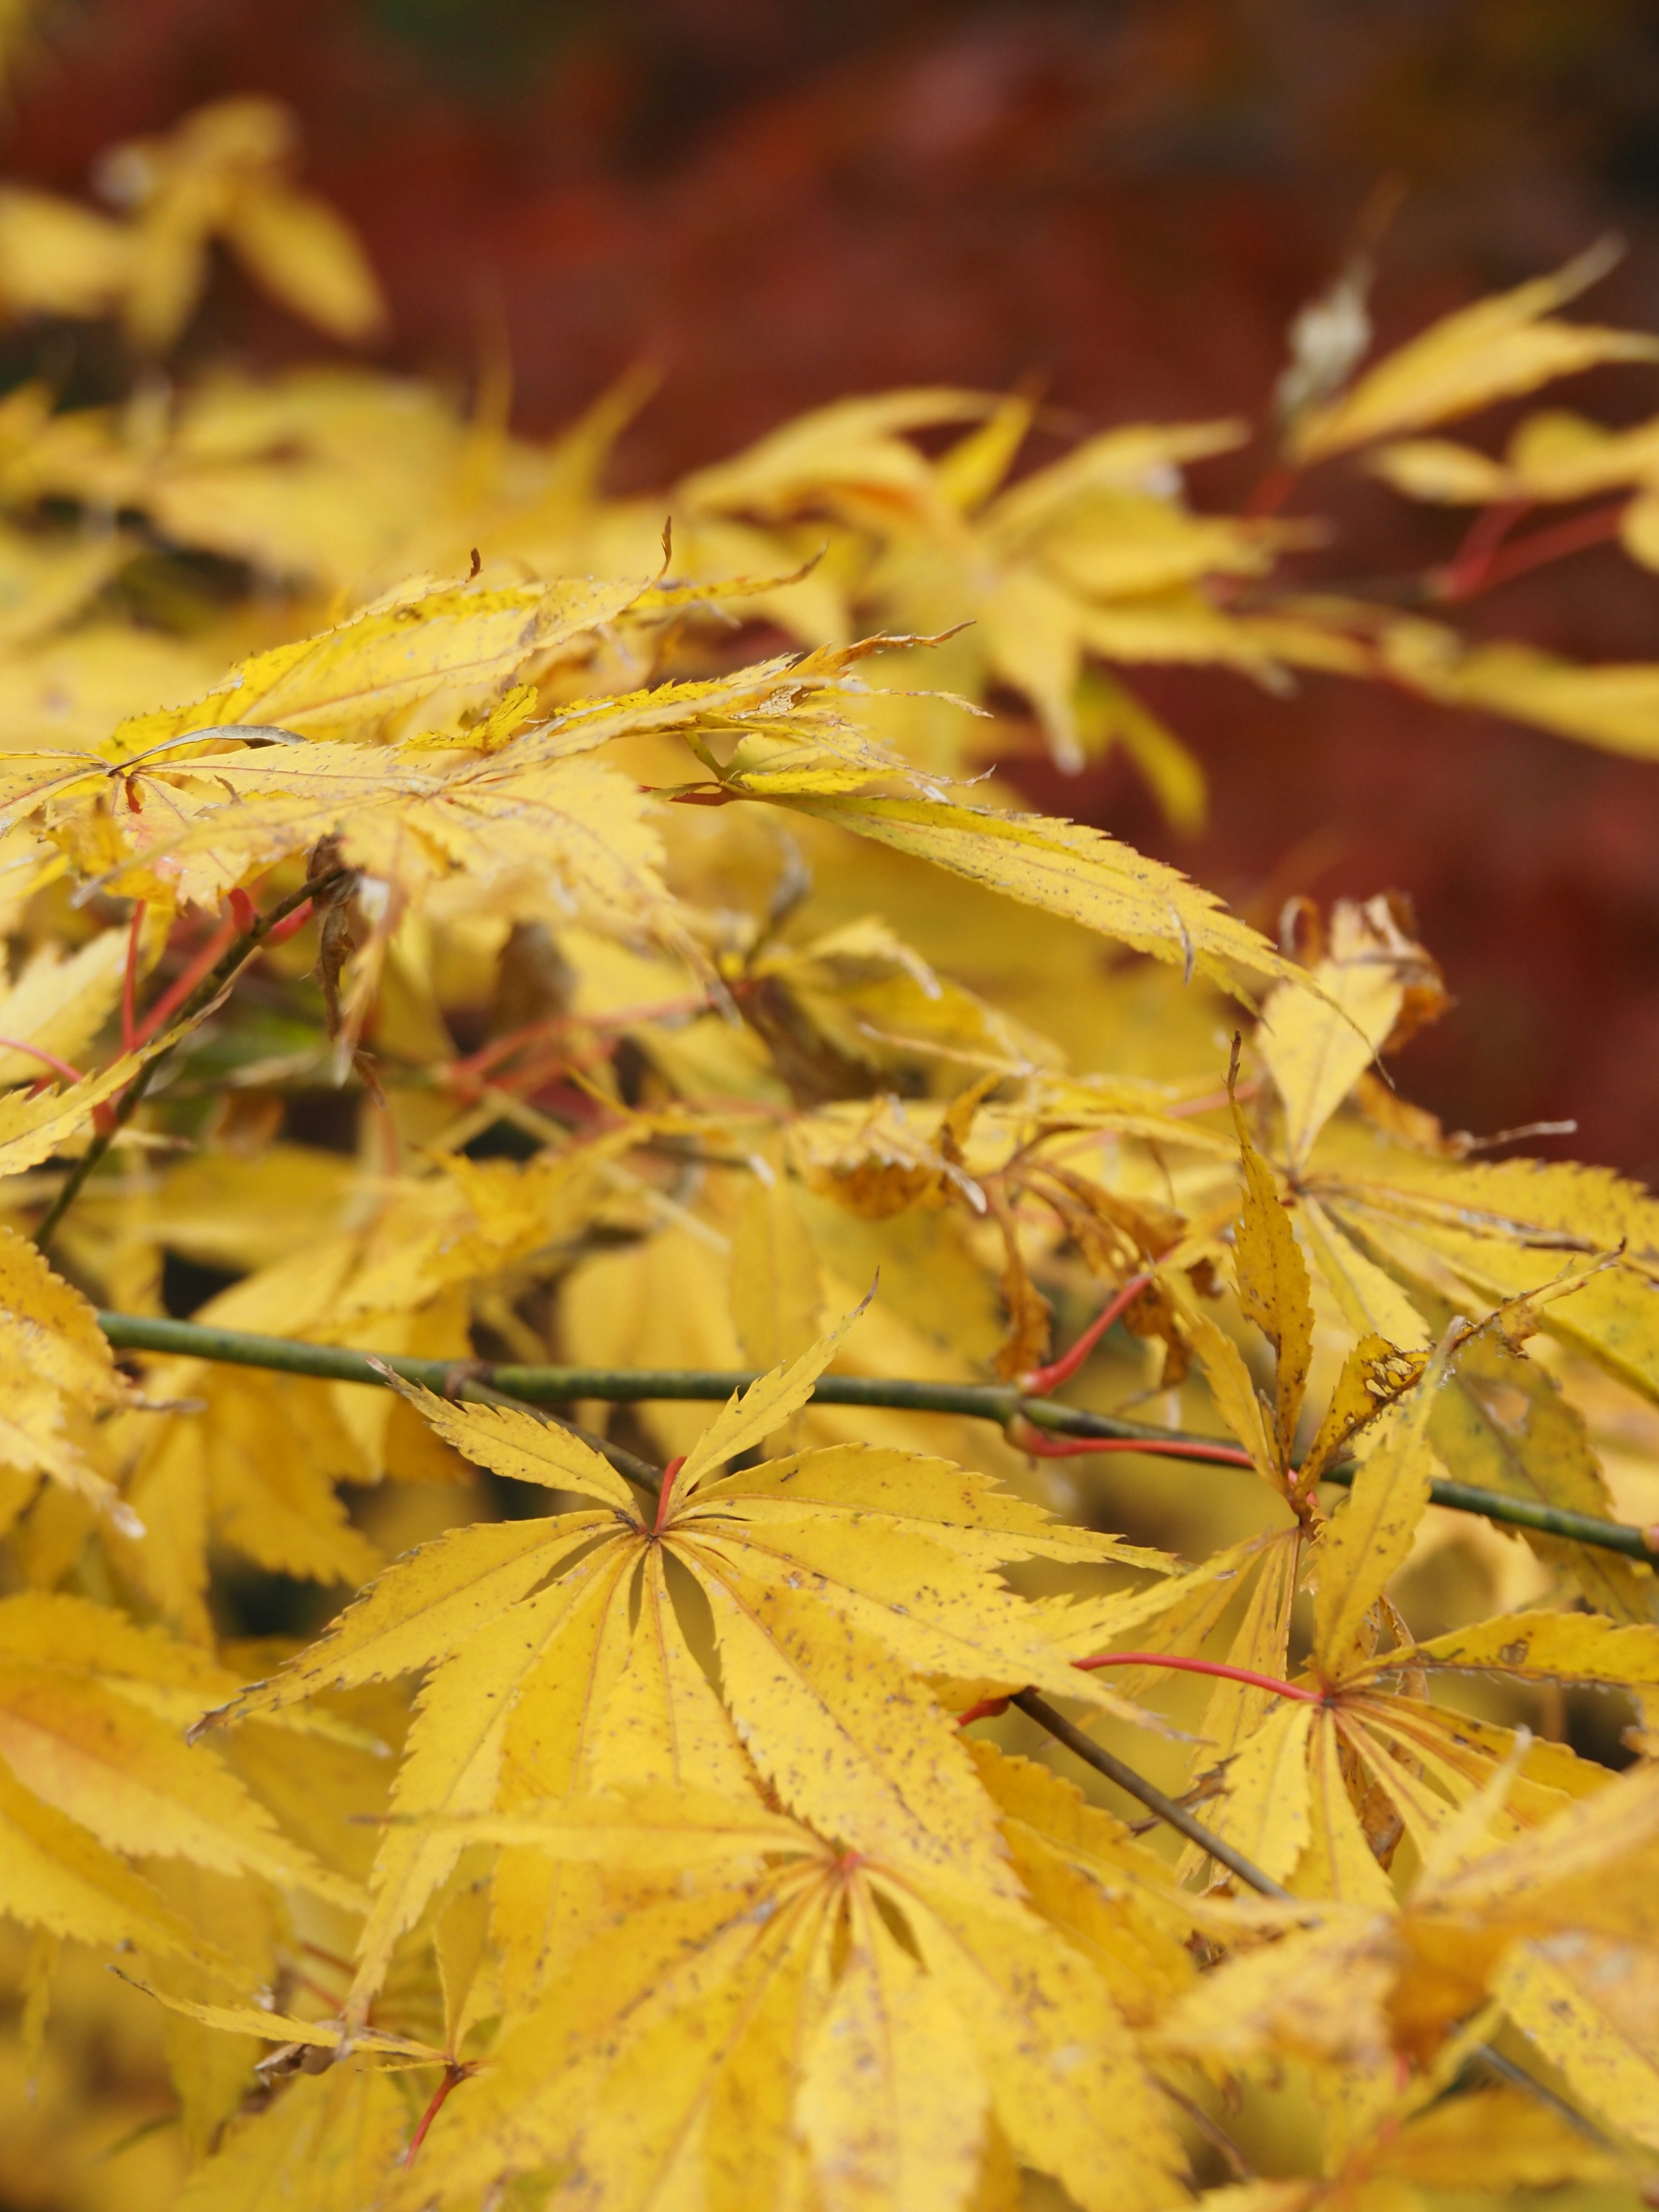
1137	1786
1002	1403
218	978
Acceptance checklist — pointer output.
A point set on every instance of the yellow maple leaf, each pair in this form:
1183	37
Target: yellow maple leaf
1501	346
800	1562
759	1957
1379	986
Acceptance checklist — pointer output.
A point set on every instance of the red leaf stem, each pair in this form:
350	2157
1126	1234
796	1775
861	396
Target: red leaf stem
452	2074
666	1492
1216	1667
129	978
70	1074
1041	1381
289	926
1026	1438
987	1708
1466	571
1538	548
183	983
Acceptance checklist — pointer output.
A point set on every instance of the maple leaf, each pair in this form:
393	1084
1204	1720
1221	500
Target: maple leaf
805	1564
222	171
1062	867
1379	986
1548	1921
35	1124
812	2006
1089	1875
93	1773
254	1465
1081	556
1502	346
1501	1419
358	677
1500	1232
1294	1754
55	1370
1289	1788
58	1003
1610	705
1275	1292
327	2141
1553	455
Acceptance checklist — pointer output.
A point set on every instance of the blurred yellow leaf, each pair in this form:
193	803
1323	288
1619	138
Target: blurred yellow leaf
1510	343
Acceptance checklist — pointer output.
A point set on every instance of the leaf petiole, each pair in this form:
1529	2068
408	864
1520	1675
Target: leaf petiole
218	978
1216	1667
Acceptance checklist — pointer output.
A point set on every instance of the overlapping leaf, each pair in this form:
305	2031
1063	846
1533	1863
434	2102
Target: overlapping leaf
811	2009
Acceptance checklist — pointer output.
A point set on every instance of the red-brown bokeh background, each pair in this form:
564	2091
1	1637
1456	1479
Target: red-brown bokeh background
783	200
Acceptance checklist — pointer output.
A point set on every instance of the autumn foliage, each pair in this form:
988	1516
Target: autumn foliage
606	1243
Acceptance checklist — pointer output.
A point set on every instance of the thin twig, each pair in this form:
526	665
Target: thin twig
1467	567
1002	1403
1507	2070
1136	1785
217	980
1237	2165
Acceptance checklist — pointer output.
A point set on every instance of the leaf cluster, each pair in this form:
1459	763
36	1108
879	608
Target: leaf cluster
599	949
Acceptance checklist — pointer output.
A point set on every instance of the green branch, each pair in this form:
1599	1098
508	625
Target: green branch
1002	1403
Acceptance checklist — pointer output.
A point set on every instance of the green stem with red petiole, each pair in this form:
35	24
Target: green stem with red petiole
203	996
1001	1403
1215	1454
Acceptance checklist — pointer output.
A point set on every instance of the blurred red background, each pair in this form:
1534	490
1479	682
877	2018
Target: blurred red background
779	201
